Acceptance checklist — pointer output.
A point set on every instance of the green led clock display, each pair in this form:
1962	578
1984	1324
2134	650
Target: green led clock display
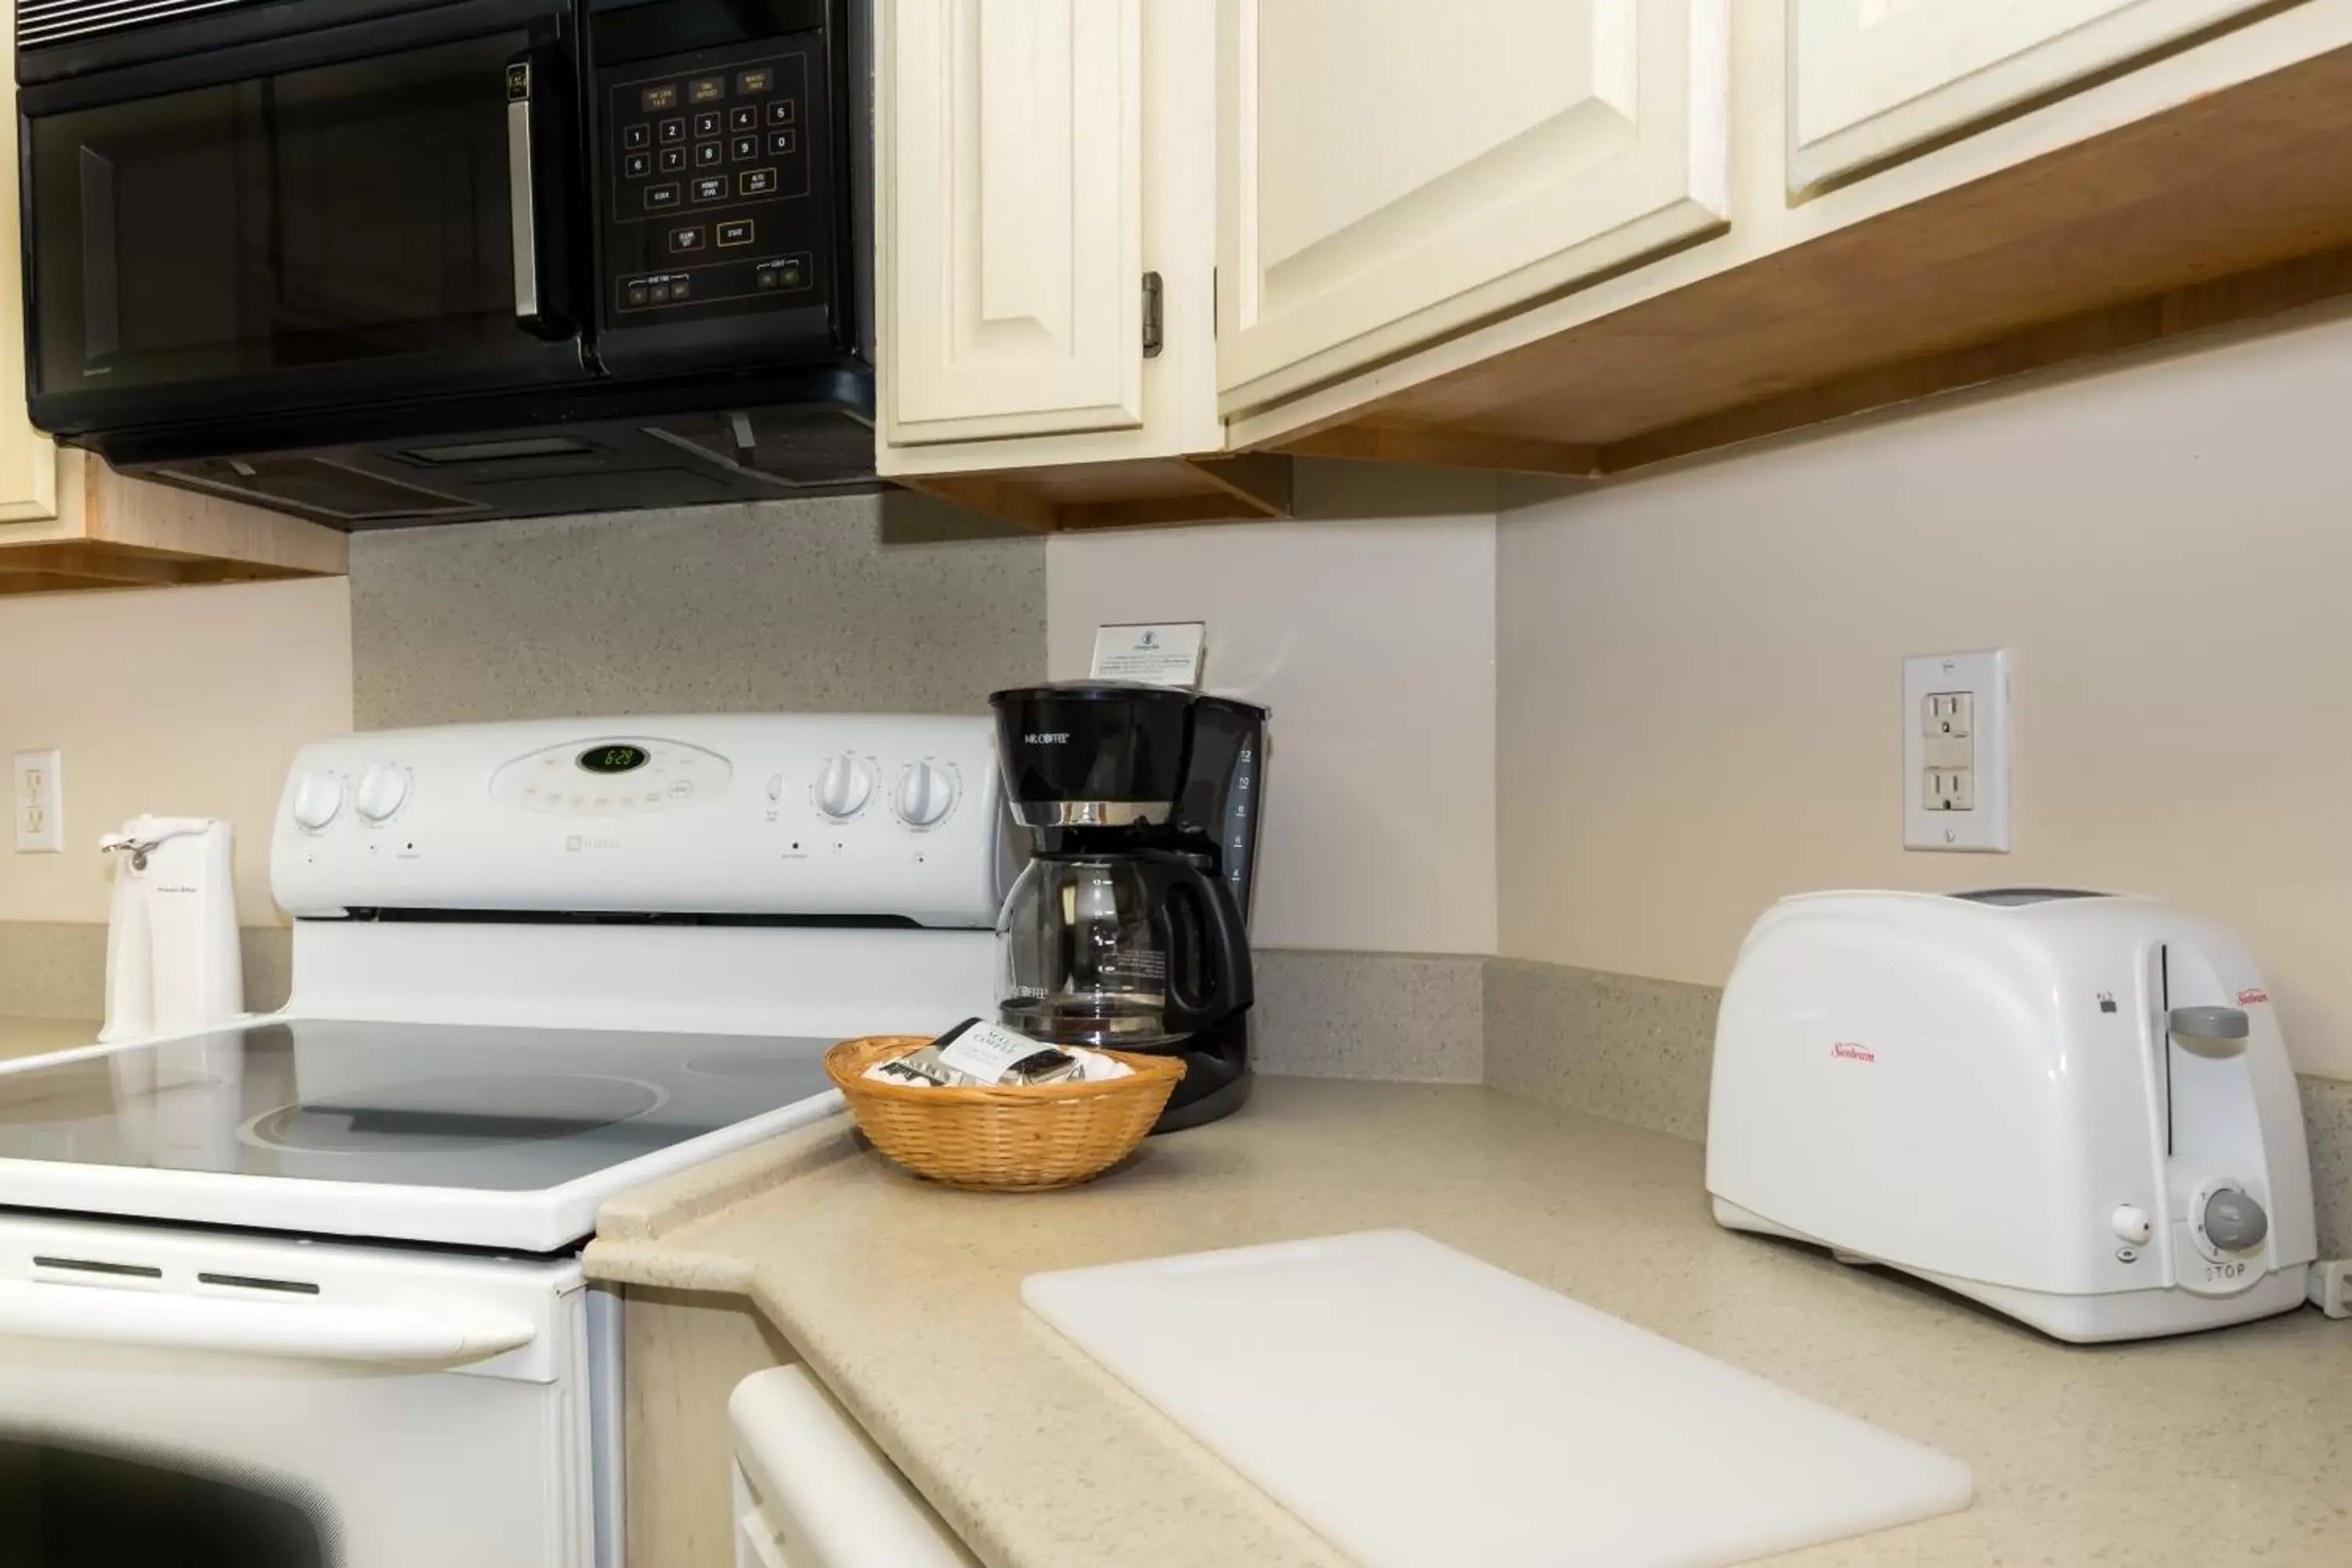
614	758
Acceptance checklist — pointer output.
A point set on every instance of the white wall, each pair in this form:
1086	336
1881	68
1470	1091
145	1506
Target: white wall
1700	703
181	701
1373	639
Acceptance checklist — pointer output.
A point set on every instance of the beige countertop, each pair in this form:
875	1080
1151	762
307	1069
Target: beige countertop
2216	1449
21	1036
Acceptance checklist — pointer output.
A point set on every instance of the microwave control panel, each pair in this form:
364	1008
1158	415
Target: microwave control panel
714	186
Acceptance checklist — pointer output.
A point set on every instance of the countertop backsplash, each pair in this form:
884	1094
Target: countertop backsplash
880	602
57	968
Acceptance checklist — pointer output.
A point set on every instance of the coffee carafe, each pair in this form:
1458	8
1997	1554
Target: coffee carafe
1128	928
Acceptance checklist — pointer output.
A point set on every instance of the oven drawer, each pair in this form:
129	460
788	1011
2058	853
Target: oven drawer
186	1396
813	1491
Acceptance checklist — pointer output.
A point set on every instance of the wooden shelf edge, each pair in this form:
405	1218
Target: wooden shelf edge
2220	208
2081	338
1140	493
1371	441
1259	481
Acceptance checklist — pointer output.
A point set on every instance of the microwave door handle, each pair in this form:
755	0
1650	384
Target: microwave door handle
535	294
294	1329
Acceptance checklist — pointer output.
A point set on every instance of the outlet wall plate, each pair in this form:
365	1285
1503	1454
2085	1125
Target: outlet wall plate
1956	752
38	791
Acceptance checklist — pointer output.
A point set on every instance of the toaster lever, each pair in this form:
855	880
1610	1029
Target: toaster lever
2210	1022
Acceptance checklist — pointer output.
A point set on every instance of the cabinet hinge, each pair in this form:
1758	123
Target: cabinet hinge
1151	309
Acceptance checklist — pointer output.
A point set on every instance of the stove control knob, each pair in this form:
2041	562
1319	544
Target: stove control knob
926	794
845	786
318	801
383	788
2234	1221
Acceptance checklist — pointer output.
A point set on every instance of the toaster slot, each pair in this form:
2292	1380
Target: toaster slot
2156	1036
2164	1033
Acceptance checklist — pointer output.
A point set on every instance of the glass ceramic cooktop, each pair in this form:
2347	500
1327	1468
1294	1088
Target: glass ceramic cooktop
433	1105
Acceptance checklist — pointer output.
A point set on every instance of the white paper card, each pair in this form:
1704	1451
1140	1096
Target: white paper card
1165	655
985	1051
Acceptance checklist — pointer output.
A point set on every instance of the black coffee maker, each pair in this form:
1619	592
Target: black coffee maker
1128	930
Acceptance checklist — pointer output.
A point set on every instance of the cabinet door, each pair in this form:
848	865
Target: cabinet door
1010	231
28	464
1869	79
1391	171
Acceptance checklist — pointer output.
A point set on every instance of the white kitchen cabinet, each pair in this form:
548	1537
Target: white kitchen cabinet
1037	161
1390	171
1870	79
1012	231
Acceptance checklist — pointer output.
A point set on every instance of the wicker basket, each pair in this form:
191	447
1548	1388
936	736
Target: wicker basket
1018	1138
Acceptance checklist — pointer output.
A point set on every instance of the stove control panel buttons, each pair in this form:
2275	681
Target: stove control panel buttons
845	786
318	801
611	777
384	790
926	794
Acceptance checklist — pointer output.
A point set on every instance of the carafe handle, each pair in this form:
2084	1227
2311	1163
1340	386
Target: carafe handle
1228	985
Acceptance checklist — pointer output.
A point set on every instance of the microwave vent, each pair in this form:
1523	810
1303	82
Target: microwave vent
795	448
40	22
319	488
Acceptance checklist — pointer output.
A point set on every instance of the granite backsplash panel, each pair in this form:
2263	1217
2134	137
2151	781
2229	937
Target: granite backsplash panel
881	604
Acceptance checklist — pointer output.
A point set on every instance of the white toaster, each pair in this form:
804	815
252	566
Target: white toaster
2074	1108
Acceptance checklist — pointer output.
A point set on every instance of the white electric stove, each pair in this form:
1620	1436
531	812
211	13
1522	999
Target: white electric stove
300	1290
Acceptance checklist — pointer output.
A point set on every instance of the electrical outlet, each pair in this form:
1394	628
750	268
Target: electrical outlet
37	779
1955	776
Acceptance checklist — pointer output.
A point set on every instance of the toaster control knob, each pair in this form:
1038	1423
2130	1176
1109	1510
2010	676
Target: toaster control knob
2234	1221
845	786
382	788
318	801
926	794
2133	1225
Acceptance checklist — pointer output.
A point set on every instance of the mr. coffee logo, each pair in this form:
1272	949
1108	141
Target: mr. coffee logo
1846	1050
1061	738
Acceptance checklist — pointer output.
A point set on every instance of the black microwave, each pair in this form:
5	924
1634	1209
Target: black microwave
380	262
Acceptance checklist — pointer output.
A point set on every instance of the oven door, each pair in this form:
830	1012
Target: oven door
200	1399
377	211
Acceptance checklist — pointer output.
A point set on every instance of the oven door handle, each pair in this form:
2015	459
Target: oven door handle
534	194
298	1329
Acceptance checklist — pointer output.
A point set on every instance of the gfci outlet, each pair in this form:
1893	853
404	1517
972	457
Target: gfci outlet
37	784
1956	786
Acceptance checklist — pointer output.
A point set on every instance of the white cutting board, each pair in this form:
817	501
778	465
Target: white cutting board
1422	1409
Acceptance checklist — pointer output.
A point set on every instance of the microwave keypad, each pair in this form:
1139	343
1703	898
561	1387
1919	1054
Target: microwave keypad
724	232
